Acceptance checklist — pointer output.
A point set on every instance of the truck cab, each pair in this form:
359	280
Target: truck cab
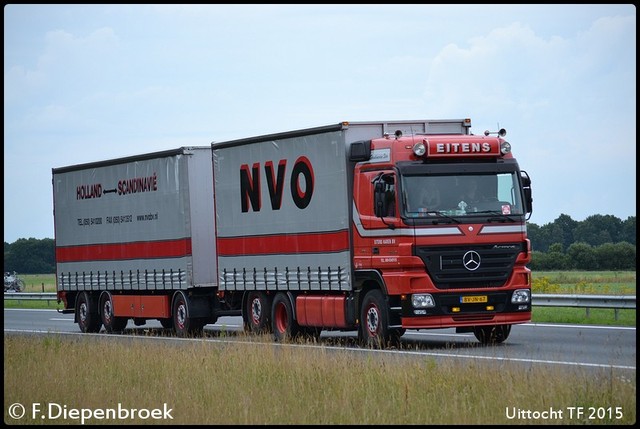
442	218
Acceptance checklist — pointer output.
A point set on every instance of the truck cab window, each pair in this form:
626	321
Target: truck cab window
384	195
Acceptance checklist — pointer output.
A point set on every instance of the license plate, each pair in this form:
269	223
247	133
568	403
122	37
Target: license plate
473	299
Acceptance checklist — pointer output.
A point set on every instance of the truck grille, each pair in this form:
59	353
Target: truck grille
445	264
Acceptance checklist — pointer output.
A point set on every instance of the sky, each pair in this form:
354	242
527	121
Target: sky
84	83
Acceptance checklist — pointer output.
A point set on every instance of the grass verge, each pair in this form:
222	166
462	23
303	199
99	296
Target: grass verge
216	383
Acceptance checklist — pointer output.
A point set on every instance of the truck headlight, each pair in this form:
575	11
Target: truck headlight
521	296
423	300
419	149
505	147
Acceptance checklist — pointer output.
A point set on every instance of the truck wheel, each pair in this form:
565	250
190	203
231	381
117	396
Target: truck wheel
87	314
112	324
283	323
492	334
184	325
257	312
374	321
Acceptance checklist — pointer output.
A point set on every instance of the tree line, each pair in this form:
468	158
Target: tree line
600	242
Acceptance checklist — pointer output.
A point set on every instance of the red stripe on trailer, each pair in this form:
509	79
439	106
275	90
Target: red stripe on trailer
284	244
125	251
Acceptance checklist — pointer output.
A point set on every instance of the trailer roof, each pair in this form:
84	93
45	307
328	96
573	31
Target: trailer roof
123	160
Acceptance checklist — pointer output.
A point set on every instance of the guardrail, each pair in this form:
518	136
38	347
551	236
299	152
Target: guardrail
585	301
537	300
28	296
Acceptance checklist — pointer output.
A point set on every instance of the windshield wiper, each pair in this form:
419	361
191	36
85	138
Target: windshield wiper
438	213
499	218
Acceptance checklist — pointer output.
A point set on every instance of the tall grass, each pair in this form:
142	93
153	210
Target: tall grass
229	384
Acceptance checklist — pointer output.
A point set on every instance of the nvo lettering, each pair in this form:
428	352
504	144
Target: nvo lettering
250	194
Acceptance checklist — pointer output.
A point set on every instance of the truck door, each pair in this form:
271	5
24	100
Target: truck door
376	204
384	243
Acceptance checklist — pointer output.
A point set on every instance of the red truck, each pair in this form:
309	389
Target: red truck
358	226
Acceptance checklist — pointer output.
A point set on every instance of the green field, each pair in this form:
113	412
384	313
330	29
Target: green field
585	282
39	282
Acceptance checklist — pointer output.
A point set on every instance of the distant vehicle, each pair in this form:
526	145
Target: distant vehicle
12	283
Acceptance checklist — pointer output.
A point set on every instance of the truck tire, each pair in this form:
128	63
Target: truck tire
112	324
183	325
257	312
492	334
283	324
87	314
374	329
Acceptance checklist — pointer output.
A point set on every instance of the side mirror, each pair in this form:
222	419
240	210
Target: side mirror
360	151
526	187
384	195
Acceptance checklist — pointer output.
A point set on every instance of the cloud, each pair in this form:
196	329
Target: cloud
91	82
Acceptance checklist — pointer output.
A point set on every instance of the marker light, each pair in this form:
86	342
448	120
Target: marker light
505	147
419	149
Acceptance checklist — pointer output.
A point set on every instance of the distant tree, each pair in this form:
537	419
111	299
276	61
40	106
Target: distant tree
582	256
594	230
560	230
30	256
542	261
628	233
598	229
563	228
557	258
616	256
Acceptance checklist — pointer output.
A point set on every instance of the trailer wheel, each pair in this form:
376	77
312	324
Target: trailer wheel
87	314
283	323
374	321
184	325
112	324
492	334
257	312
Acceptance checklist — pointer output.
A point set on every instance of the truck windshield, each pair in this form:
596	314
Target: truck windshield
462	195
